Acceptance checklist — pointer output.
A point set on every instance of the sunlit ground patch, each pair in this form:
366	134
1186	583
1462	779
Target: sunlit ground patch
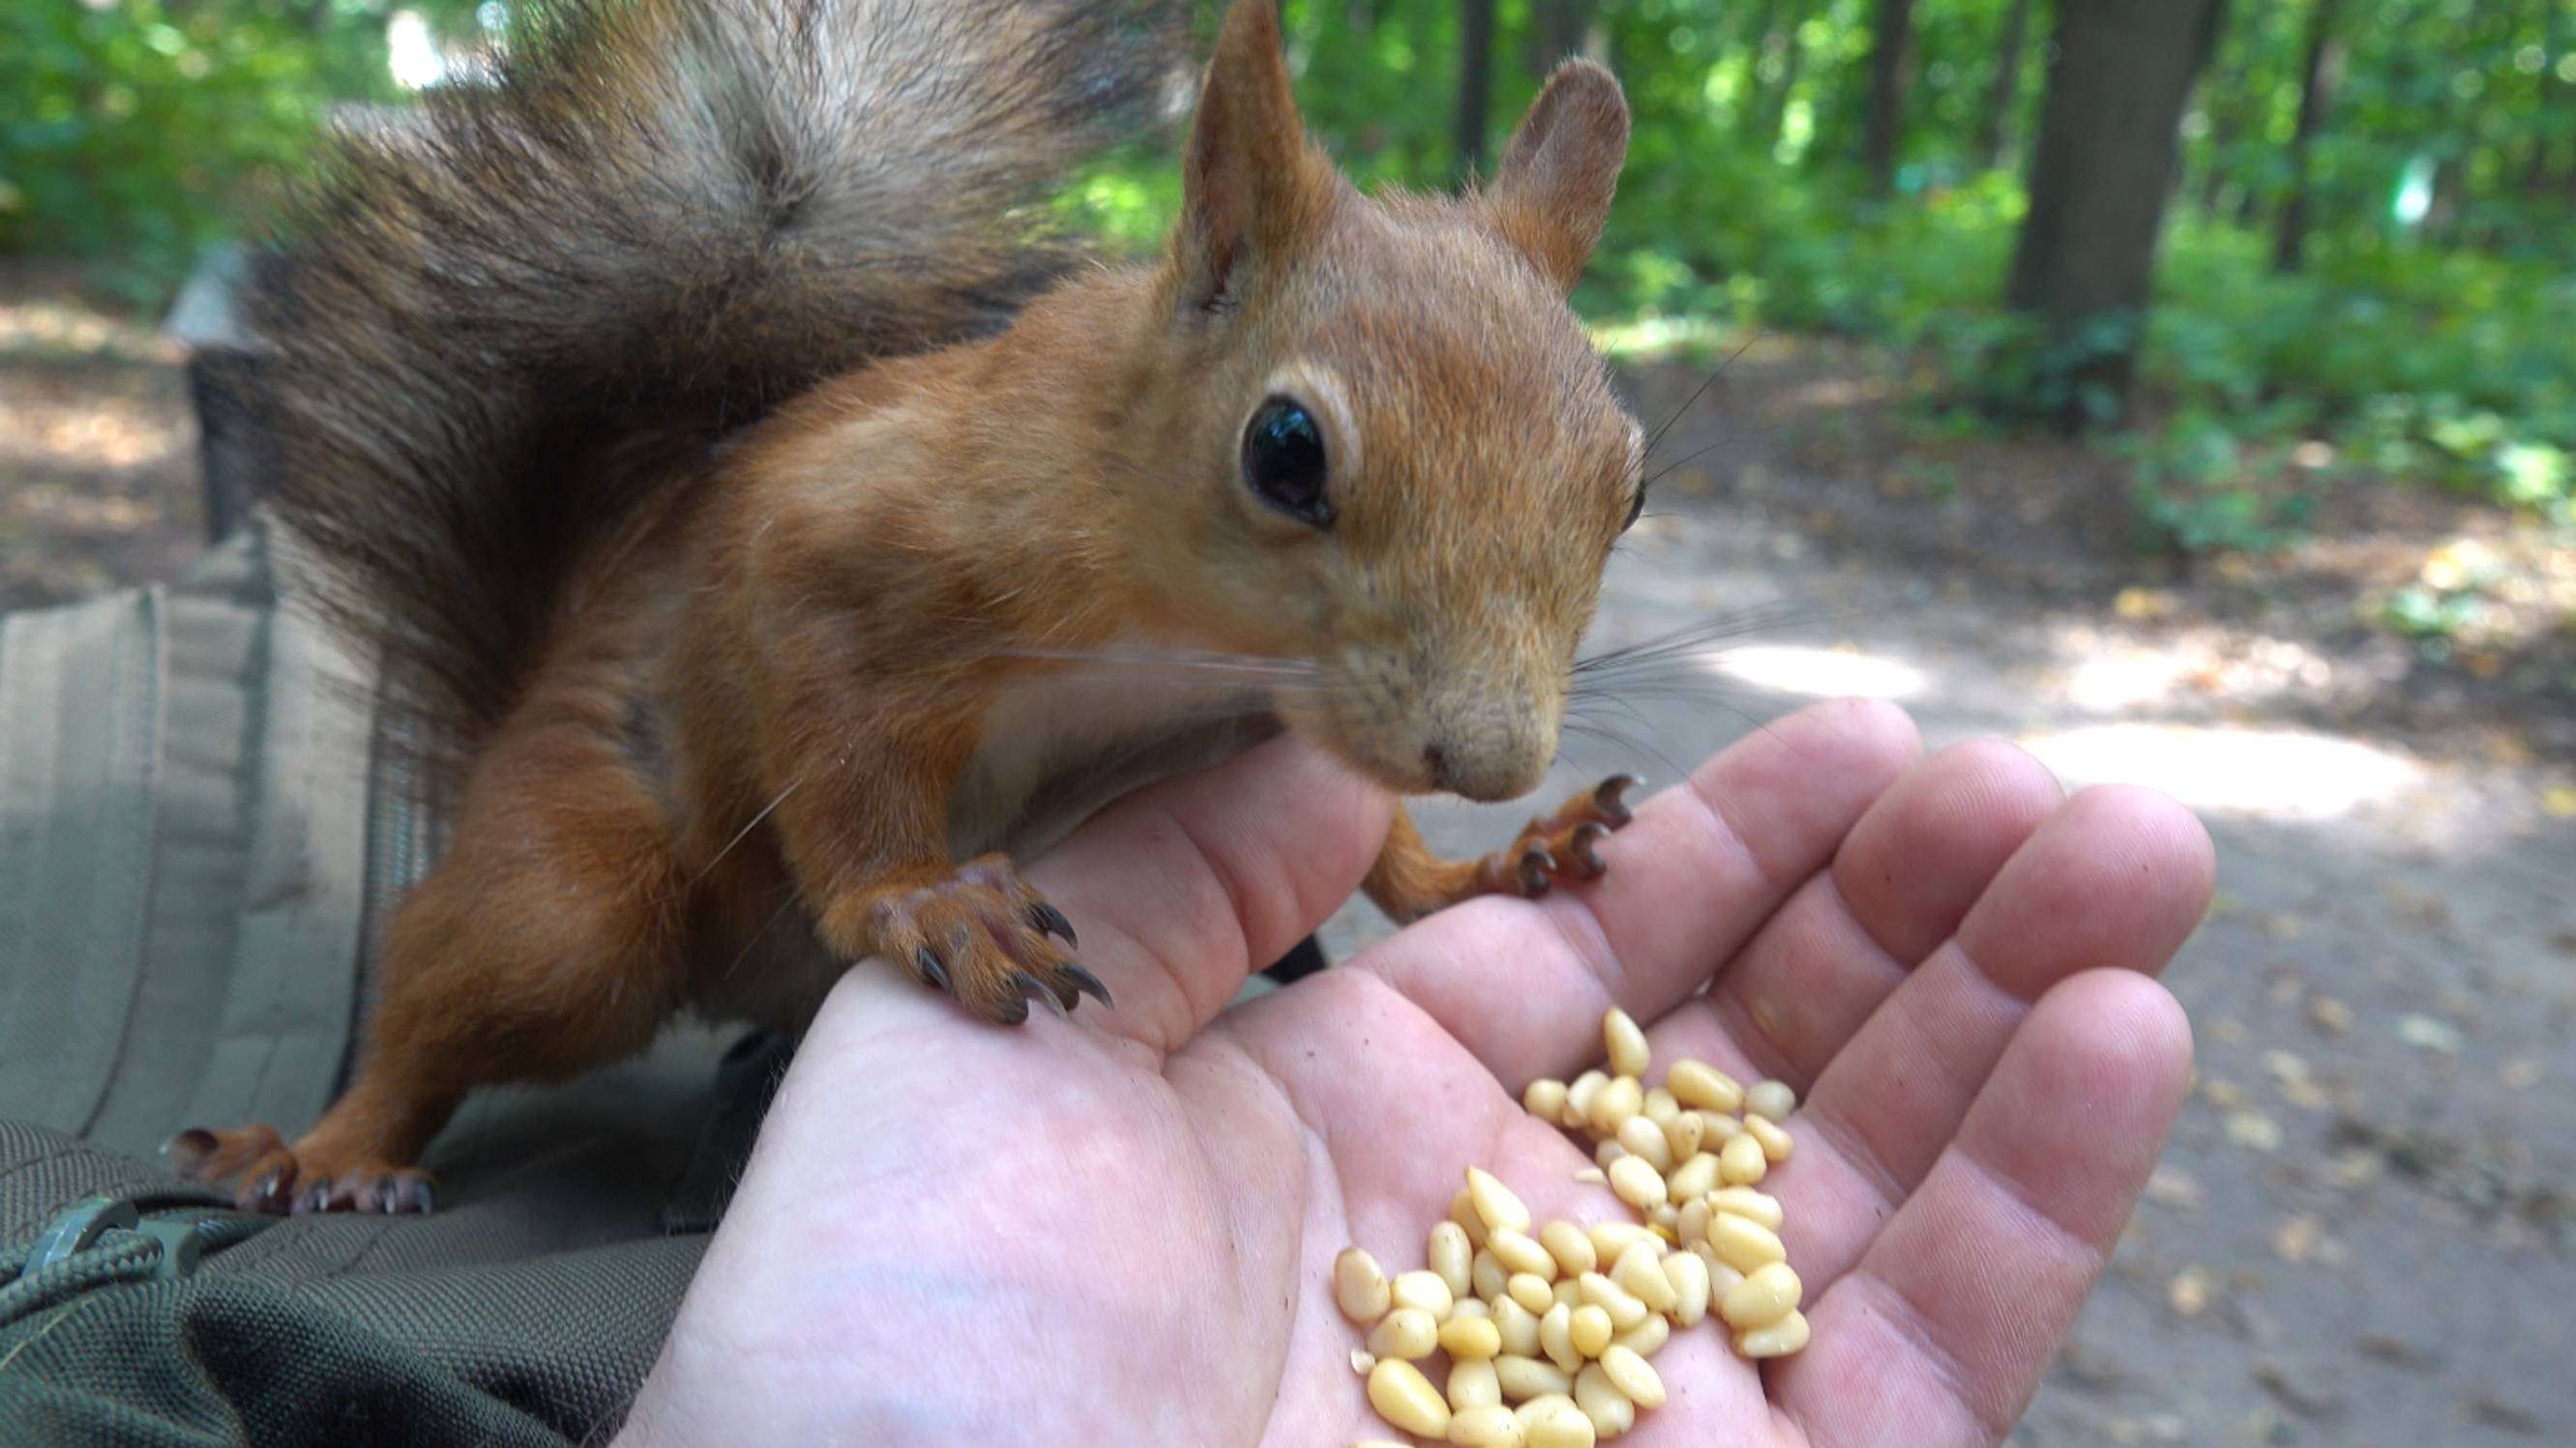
2288	773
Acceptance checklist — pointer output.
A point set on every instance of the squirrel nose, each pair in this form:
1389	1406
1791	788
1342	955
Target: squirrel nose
1438	763
1477	774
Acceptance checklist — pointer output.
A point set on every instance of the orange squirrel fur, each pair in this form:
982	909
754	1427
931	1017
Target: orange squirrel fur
794	701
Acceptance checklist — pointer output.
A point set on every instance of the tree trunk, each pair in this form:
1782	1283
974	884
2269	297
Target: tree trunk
1475	82
1994	127
2109	133
1891	71
1771	105
1558	30
2316	94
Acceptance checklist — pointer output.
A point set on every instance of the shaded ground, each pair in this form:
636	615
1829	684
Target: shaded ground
2363	1232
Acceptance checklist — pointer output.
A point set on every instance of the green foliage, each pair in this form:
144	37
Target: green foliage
2422	339
138	130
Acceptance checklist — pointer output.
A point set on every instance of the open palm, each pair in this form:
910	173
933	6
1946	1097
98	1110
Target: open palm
1120	1229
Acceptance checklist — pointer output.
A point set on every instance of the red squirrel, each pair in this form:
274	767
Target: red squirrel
784	537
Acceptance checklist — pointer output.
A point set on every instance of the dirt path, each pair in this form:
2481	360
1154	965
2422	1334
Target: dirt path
2363	1232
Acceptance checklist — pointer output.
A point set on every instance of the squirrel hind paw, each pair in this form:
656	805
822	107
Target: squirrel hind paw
273	1179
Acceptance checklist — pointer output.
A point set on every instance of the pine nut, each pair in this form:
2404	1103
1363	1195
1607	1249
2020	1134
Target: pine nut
1690	1224
1607	1151
1715	1130
1744	1244
1470	1307
1634	1377
1531	1291
1449	1255
1362	1360
1403	1397
1589	1330
1640	1270
1518	1325
1553	1421
1495	1202
1624	1043
1660	1106
1665	1220
1485	1275
1644	1140
1562	1429
1741	1161
1625	1310
1602	1402
1378	1443
1683	1132
1699	1084
1566	1293
1647	1338
1359	1288
1638	1183
1470	1337
1462	1210
1556	1338
1572	1250
1616	1102
1696	1176
1473	1384
1407	1333
1746	1202
1609	1239
1779	1339
1519	1254
1426	1291
1774	1139
1578	1097
1766	1295
1528	1377
1544	1099
1491	1426
1770	1098
1689	1275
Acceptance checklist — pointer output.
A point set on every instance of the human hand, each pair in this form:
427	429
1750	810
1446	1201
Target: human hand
1120	1228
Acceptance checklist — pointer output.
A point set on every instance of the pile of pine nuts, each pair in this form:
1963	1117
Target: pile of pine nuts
1548	1329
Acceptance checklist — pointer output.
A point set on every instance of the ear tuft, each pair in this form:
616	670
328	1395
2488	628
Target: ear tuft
1551	192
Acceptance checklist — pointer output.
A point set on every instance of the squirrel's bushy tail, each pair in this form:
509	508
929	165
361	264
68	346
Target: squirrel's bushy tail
496	323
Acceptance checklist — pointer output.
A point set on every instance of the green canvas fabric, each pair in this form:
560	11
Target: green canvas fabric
201	828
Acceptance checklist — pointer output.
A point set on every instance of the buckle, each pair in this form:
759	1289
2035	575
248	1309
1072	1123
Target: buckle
83	1225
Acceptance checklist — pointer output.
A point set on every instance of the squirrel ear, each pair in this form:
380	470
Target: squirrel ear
1551	192
1248	184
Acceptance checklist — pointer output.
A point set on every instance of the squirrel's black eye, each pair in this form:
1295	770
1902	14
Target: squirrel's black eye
1636	509
1283	460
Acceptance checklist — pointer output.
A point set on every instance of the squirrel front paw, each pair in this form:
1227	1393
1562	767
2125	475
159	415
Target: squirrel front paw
980	933
1561	846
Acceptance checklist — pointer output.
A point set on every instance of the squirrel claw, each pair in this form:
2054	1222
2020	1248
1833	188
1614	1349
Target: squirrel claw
1032	988
1535	865
1606	799
1087	983
926	961
1588	864
1051	921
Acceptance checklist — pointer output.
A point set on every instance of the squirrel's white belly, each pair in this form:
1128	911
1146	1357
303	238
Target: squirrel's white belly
1058	747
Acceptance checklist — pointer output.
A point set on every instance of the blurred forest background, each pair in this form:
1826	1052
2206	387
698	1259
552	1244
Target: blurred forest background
2259	253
